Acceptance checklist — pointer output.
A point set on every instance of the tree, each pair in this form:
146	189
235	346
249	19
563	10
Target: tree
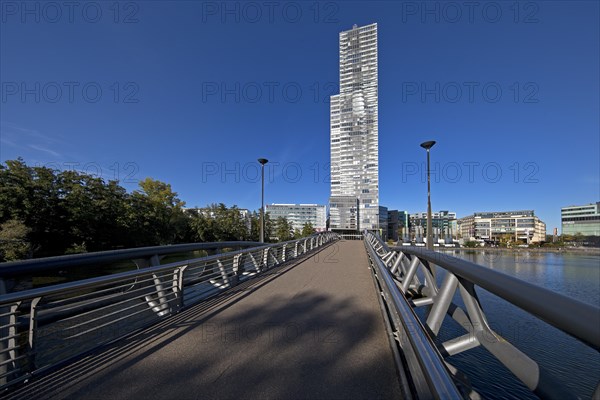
70	212
283	229
255	226
505	239
201	226
13	241
307	229
219	223
157	213
297	233
31	195
95	212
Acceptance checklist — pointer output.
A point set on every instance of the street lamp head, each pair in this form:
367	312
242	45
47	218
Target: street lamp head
428	145
263	161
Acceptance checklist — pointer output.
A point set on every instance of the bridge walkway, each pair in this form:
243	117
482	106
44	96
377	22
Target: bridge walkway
311	329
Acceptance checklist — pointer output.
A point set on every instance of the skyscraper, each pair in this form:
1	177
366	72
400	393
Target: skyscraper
354	201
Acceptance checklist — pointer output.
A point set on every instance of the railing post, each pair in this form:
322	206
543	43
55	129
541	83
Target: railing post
236	269
266	258
283	253
257	265
412	270
32	331
160	307
430	281
9	354
223	273
388	258
394	268
178	285
442	302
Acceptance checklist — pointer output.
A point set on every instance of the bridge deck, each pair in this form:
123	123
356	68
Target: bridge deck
309	330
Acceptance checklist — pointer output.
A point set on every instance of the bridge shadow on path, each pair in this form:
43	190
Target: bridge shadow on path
297	331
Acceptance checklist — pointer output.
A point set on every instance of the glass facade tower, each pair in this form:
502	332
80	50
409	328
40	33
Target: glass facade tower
354	135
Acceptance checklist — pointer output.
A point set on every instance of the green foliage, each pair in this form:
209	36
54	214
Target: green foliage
13	241
255	227
69	212
218	223
471	244
77	248
157	215
506	240
307	229
44	212
284	230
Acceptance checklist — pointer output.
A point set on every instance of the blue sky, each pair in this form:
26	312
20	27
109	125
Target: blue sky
192	93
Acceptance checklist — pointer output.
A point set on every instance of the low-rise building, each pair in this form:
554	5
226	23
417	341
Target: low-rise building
300	214
583	220
397	225
443	224
521	226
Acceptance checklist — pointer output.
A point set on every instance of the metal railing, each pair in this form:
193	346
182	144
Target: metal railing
578	319
43	327
15	268
351	236
423	373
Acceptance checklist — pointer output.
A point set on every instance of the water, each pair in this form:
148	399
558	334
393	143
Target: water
571	362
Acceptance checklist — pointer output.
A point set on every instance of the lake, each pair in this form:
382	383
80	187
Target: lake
573	363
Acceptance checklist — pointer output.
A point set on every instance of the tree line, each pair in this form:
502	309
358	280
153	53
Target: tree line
44	212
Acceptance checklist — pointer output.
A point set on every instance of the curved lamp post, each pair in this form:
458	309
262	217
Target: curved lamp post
262	162
428	145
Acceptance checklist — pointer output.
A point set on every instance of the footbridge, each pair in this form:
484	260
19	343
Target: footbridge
320	317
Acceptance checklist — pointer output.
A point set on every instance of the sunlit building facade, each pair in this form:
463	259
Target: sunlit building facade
521	226
443	224
299	214
582	220
354	137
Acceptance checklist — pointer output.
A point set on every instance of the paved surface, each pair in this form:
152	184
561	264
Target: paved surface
309	330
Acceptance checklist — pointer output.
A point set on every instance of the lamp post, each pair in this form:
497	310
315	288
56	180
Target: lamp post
428	145
262	162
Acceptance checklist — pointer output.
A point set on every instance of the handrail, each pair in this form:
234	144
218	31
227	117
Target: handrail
576	318
23	267
438	382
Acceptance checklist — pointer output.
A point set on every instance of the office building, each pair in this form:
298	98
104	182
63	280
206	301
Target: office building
521	226
582	220
443	224
299	214
382	226
354	201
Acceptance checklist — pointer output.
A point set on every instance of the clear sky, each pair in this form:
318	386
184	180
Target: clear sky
192	93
